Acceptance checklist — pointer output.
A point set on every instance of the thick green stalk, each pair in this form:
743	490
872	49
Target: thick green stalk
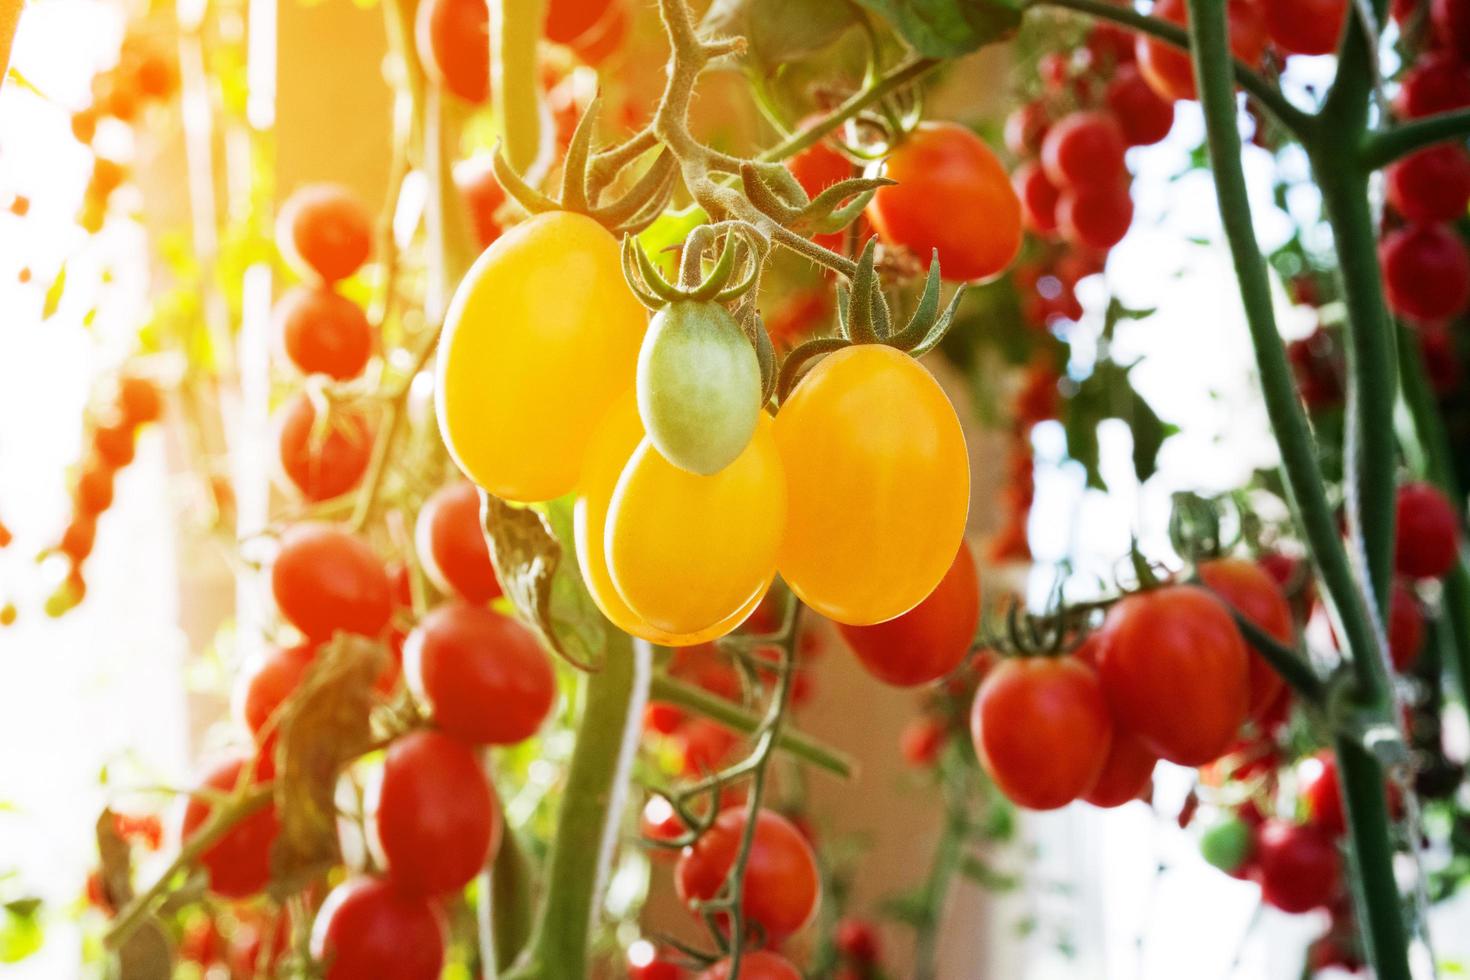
1379	906
512	884
515	34
1387	145
595	788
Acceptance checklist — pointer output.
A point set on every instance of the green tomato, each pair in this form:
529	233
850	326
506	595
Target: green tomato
1228	844
699	386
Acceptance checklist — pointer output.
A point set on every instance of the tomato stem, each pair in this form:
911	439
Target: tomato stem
1385	146
515	35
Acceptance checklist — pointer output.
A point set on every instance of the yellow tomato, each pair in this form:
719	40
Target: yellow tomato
689	552
542	335
878	482
612	444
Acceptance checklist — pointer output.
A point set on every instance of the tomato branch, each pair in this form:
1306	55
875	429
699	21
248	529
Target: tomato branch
1293	668
1387	145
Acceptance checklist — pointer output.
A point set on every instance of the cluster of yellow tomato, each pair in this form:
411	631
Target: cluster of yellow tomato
856	492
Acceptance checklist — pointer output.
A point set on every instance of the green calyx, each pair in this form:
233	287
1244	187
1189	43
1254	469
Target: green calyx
588	175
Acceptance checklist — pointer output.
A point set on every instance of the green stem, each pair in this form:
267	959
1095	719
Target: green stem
901	75
515	34
1387	145
734	717
937	886
1376	890
591	800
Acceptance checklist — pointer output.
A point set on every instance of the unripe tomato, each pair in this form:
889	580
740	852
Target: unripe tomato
264	686
451	544
239	863
879	485
1085	150
567	20
1251	591
613	443
1299	868
757	964
687	552
327	463
1305	26
1438	82
1095	217
699	386
483	195
1145	117
781	884
368	929
1041	730
542	335
325	579
453	38
436	817
323	332
930	640
1427	532
324	229
952	195
1126	773
1229	845
1405	628
1426	272
1170	71
1431	185
1176	672
482	675
1038	198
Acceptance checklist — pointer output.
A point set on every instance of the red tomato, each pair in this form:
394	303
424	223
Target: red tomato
1143	115
921	741
327	463
483	676
1097	217
324	333
647	962
1038	198
663	719
1085	150
368	929
857	939
1176	672
603	39
1451	19
1427	534
756	965
930	640
436	816
660	822
483	195
138	400
453	38
239	863
1298	867
817	168
1025	129
1041	730
567	20
324	229
1170	71
1426	272
1126	774
1431	185
78	538
325	579
1305	26
1405	628
1251	591
952	195
264	685
1437	83
704	746
781	885
451	544
1321	795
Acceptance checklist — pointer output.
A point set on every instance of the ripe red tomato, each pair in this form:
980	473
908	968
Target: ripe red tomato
453	38
325	579
94	488
264	685
1427	533
1431	185
1025	129
703	746
368	929
1143	115
483	195
660	822
1126	774
1321	795
1176	672
952	195
756	965
567	20
1451	19
451	544
1405	628
781	886
324	229
1437	83
1095	217
1038	198
138	400
1084	150
78	538
1305	26
603	39
239	863
483	676
436	817
857	939
327	463
1041	729
115	445
1426	272
1251	591
1170	71
921	741
324	333
929	641
1298	867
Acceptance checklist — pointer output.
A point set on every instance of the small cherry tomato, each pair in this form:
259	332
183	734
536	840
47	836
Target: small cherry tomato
264	686
1146	118
567	20
323	332
1170	71
1095	217
1431	185
368	929
1299	868
758	964
1085	150
781	886
453	38
1426	272
324	229
1405	628
1125	775
1427	532
325	579
1305	26
327	460
450	543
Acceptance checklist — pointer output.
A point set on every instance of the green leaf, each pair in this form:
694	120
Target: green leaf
987	877
539	574
949	28
53	294
781	31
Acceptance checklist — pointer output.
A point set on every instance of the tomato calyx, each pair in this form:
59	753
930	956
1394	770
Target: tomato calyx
780	196
586	175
